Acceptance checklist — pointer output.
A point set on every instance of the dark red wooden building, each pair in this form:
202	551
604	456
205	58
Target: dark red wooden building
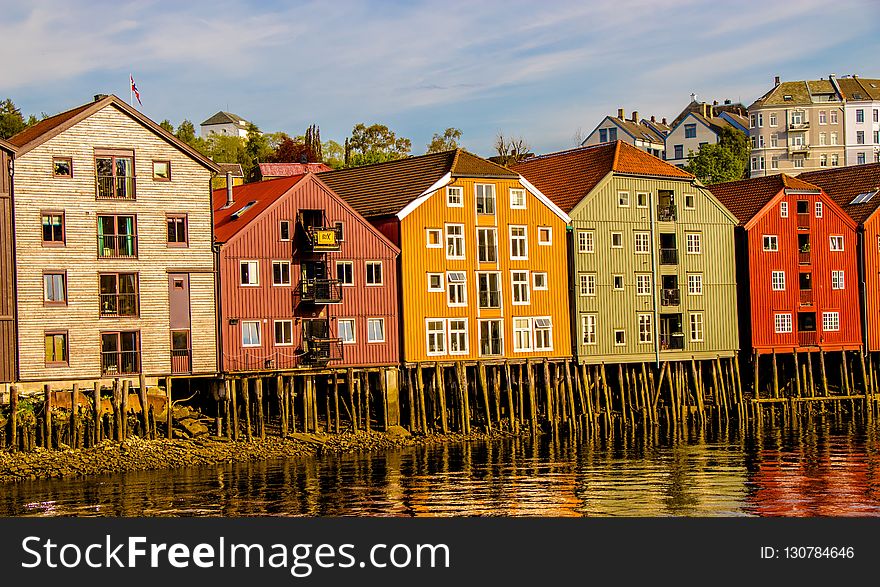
305	281
797	266
8	352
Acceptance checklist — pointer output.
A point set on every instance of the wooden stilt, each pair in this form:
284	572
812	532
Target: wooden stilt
797	374
810	374
423	415
97	413
756	391
142	398
246	402
13	418
261	420
336	421
169	417
775	376
365	392
520	396
511	417
824	373
847	389
621	383
484	389
349	377
440	390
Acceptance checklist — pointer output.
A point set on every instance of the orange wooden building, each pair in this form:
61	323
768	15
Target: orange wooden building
483	265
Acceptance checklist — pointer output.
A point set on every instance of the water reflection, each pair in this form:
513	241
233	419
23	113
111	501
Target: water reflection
826	468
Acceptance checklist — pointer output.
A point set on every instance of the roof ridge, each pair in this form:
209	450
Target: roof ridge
616	155
567	151
47	120
391	161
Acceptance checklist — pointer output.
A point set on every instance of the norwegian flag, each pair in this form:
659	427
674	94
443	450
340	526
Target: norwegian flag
134	89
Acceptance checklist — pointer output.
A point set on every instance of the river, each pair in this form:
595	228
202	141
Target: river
825	468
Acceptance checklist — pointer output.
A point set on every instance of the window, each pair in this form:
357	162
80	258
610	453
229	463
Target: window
177	230
774	139
678	150
161	170
822	139
642	242
616	240
522	334
696	327
280	272
753	121
119	294
774	162
587	283
454	196
695	284
689	201
485	198
249	272
860	158
489	290
860	115
345	272
539	280
836	242
588	329
374	273
55	289
837	280
646	330
690	131
339	227
120	352
250	333
117	236
782	323
455	241
53	228
860	137
519	245
56	348
771	242
643	284
876	135
760	141
761	162
458	337
375	329
519	283
774	119
283	332
543	334
62	167
835	160
436	333
619	338
823	117
517	198
433	238
345	330
618	282
545	235
830	321
284	230
777	281
823	160
491	337
876	115
585	241
603	135
612	134
641	200
487	245
834	138
623	199
114	175
456	287
783	209
435	282
834	117
760	119
694	243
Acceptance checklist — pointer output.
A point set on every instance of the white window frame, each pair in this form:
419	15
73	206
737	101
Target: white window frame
619	236
524	239
441	287
436	231
782	323
614	282
770	243
838	280
367	266
275	332
535	276
697	327
549	330
586	241
375	320
289	278
491	187
587	285
588	329
621	331
547	230
429	333
693	199
646	238
256	265
783	209
351	272
280	223
449	335
694	243
831	321
623	199
353	323
513	204
514	284
695	284
459	238
486	230
500	341
462	285
450	198
644	287
259	342
777	281
819	209
519	331
835	238
646	334
639	196
497	274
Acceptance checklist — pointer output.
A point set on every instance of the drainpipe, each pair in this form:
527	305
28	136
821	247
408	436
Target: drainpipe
863	289
654	274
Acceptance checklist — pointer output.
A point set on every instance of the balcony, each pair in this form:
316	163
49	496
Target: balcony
672	342
798	149
799	126
319	291
320	351
804	257
316	237
119	305
668	256
670	297
807	338
117	246
806	297
114	187
803	221
666	212
120	362
181	361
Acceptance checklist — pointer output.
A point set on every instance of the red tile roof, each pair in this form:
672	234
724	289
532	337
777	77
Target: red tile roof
843	184
567	177
747	197
289	169
262	193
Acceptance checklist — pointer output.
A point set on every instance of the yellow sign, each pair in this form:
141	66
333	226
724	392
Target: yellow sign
325	237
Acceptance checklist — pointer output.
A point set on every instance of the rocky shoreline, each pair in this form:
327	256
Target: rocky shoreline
136	454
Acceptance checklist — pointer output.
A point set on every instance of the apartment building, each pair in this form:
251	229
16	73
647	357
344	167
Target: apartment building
861	119
645	135
694	128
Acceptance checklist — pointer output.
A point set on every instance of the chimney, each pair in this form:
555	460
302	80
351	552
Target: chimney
229	199
703	108
775	81
635	116
664	120
727	101
99	97
621	114
653	119
714	102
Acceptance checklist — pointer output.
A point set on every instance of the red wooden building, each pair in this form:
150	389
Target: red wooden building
797	266
305	282
8	350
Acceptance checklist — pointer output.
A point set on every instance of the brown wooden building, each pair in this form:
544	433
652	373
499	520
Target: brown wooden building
8	354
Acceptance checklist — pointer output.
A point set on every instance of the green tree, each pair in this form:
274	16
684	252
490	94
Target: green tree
11	119
186	132
334	154
445	142
257	150
510	150
166	124
226	149
375	144
726	160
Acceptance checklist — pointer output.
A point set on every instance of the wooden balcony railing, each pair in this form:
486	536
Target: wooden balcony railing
117	246
807	338
804	257
669	256
119	305
670	296
320	291
803	220
666	212
181	360
115	187
806	297
120	362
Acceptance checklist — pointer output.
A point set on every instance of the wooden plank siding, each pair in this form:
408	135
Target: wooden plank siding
417	261
260	240
601	213
7	272
871	297
188	193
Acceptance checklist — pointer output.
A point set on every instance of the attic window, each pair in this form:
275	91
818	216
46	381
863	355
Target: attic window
857	96
245	208
864	197
786	97
873	85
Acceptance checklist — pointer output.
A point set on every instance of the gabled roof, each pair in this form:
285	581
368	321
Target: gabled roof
856	88
742	121
567	177
637	130
745	198
225	118
39	133
288	169
796	93
7	146
717	109
233	168
384	189
844	184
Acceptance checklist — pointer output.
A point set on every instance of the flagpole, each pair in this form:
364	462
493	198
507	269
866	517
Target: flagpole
130	91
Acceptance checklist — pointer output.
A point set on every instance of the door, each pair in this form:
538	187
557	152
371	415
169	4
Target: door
180	322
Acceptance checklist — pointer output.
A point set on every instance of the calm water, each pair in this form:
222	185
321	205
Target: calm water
828	469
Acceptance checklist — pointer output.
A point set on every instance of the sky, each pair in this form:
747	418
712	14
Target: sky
544	71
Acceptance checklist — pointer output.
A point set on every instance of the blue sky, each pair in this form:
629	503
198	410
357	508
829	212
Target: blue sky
540	70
